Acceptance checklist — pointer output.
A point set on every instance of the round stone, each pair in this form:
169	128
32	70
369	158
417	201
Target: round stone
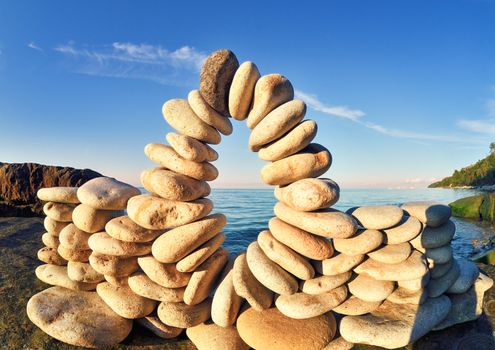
57	276
165	275
242	90
58	194
408	228
113	265
429	213
324	284
377	217
207	114
191	262
59	211
77	318
416	284
92	220
362	242
124	302
339	344
158	328
354	306
156	213
440	255
83	272
392	253
189	148
124	229
142	285
209	336
117	281
438	270
313	161
181	315
270	91
435	237
226	303
407	296
70	254
469	272
51	256
369	289
106	193
290	143
73	238
54	227
103	243
338	264
438	286
50	240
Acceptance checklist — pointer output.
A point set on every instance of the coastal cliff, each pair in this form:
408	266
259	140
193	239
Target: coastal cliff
19	183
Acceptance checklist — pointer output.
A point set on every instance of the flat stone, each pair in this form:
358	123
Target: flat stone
113	265
122	281
304	306
305	243
216	78
168	158
226	303
354	306
124	302
469	273
377	217
369	289
70	254
242	90
392	253
270	329
435	237
103	243
338	264
207	114
124	229
429	213
292	142
50	240
312	161
181	241
408	228
438	270
83	272
191	262
209	336
59	211
339	344
395	325
58	194
276	123
406	296
285	257
106	193
54	227
73	238
309	194
181	117
440	255
187	147
142	285
165	275
51	256
77	318
329	223
415	266
156	213
364	241
203	278
324	284
269	273
92	220
181	315
57	276
270	91
248	287
438	286
159	328
416	284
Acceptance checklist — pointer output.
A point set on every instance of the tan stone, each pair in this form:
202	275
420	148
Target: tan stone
392	253
270	329
71	254
285	257
165	275
168	158
106	193
117	281
181	315
364	241
309	194
304	306
50	240
209	336
226	303
269	273
416	284
339	344
270	91
57	276
377	217
325	222
103	243
73	238
51	256
156	213
407	296
142	285
124	229
203	278
434	237
248	287
187	147
124	302
369	289
113	265
242	90
93	220
83	272
54	227
58	194
408	228
305	243
354	306
181	117
338	264
77	318
414	267
59	211
277	123
196	258
438	286
429	213
207	114
290	143
324	284
183	240
159	328
313	161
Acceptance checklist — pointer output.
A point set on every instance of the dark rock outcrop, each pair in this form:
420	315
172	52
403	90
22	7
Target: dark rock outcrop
19	183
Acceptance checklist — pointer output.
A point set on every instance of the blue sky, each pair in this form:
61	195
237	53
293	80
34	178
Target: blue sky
403	91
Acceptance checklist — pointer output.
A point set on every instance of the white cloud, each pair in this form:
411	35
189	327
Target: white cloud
135	61
478	126
33	46
338	111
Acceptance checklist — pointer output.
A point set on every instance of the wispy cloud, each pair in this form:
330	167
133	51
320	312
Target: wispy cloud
135	61
337	111
32	45
481	126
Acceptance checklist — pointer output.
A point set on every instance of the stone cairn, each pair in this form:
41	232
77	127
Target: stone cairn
385	272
